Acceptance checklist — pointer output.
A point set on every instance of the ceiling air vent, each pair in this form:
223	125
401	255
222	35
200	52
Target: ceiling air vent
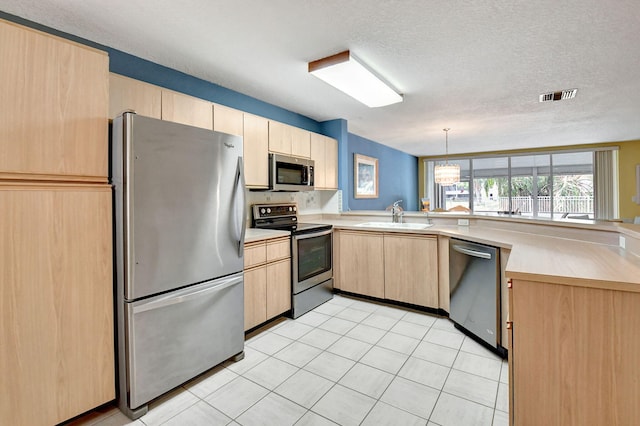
558	96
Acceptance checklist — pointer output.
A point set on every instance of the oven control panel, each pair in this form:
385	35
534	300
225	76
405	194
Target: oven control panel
264	211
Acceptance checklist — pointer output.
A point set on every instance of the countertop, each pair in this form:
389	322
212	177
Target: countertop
539	257
533	257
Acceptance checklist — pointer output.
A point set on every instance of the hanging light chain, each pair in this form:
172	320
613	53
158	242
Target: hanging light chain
446	145
447	174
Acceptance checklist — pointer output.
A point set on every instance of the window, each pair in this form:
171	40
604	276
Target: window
552	185
491	184
446	197
573	185
531	185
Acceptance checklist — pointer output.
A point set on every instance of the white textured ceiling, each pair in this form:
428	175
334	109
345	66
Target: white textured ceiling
475	66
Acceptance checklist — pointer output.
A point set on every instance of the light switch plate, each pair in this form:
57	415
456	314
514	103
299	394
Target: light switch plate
623	242
463	222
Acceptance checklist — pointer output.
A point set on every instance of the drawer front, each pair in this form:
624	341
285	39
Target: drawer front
255	254
278	249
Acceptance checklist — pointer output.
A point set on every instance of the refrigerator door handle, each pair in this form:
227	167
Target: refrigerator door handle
240	184
173	299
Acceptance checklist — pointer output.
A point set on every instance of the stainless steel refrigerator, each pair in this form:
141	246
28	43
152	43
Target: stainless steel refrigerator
179	232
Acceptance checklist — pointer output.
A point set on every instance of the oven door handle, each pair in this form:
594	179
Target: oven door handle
312	234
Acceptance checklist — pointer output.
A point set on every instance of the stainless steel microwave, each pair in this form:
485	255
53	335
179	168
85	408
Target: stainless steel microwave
290	173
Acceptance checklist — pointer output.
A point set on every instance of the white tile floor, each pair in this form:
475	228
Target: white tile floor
348	362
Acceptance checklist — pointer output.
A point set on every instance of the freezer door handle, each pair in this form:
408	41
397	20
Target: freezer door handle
239	185
469	252
187	294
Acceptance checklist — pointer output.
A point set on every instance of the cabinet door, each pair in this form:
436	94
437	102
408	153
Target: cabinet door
318	155
331	163
227	120
255	294
324	153
300	143
128	94
279	137
256	151
56	302
361	263
574	355
278	287
186	109
411	269
53	107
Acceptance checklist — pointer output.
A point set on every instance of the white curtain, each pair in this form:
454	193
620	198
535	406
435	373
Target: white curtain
606	184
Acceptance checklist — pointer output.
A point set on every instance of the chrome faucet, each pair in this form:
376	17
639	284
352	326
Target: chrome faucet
396	212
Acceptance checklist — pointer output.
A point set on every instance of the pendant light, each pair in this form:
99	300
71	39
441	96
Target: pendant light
447	174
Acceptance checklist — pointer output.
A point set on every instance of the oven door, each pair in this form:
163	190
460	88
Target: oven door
311	259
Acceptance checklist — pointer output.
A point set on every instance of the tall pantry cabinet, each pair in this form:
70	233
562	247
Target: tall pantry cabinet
56	285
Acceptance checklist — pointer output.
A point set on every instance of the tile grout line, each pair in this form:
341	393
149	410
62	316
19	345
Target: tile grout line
356	361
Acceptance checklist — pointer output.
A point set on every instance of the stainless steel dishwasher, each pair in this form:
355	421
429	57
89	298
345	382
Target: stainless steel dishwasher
474	285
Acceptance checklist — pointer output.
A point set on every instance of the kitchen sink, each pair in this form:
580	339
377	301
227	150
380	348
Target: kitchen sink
394	225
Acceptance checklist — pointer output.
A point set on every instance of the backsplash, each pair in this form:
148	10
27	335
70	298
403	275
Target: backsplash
309	202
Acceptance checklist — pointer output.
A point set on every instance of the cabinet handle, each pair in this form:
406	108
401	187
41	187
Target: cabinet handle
509	325
509	283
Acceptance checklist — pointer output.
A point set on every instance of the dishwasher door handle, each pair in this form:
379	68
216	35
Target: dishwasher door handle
469	252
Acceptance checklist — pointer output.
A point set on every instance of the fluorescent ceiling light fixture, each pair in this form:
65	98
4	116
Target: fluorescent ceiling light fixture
346	73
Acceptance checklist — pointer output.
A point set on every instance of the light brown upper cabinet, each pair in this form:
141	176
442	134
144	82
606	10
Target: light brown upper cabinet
129	94
256	151
300	143
186	109
289	140
53	107
227	120
324	153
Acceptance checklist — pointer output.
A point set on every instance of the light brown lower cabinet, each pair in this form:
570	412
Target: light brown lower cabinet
255	296
411	269
574	355
392	266
360	262
278	287
56	302
267	280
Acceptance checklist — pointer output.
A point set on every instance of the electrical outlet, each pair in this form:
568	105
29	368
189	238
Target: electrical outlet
623	242
463	222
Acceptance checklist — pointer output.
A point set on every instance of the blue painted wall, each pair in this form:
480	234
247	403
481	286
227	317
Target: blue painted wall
150	72
397	176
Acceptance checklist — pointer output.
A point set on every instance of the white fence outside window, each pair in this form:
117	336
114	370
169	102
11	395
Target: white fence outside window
561	204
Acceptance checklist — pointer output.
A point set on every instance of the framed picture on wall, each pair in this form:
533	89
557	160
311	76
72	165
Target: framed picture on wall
365	176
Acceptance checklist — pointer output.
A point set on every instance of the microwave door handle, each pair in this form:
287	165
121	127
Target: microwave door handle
305	175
